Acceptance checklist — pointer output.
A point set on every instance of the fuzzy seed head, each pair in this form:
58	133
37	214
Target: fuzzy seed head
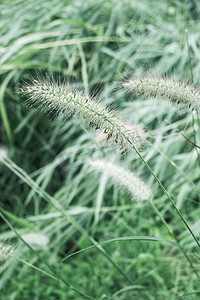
125	178
66	101
5	250
3	153
177	92
39	240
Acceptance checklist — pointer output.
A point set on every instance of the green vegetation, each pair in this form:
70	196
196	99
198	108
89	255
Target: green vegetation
67	231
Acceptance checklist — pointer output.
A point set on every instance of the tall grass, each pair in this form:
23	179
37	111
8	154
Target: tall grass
124	249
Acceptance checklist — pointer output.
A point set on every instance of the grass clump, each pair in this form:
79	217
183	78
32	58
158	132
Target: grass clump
46	185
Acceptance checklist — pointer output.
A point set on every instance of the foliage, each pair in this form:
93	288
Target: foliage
46	186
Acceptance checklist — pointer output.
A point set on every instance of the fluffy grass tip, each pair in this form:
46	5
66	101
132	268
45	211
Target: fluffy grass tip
123	177
167	88
63	100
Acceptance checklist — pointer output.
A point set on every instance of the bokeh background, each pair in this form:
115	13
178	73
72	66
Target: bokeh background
95	45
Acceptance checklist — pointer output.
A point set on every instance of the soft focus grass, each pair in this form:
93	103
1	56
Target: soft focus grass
51	190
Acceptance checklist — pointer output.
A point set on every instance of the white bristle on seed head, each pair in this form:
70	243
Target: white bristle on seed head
177	92
137	132
125	178
36	238
5	251
3	153
65	101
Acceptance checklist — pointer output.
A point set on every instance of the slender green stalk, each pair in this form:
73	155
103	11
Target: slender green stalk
176	238
189	54
124	239
169	197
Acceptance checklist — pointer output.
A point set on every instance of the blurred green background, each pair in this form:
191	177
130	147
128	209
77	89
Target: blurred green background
95	45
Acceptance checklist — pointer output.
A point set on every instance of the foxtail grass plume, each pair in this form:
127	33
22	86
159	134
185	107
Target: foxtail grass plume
125	178
37	239
166	88
5	251
3	153
63	100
